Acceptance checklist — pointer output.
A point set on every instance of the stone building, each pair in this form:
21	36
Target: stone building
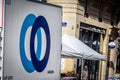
96	23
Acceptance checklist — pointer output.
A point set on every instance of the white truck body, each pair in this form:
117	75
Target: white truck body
1	37
32	40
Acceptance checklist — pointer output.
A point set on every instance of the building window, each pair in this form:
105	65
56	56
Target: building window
118	64
90	35
118	57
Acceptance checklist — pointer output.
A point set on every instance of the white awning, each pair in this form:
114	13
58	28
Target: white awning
74	47
69	52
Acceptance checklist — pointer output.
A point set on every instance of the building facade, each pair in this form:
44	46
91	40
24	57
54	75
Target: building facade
91	22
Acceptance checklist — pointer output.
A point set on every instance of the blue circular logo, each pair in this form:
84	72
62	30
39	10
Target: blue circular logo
36	23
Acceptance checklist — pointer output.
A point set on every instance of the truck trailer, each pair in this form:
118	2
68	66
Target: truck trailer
30	35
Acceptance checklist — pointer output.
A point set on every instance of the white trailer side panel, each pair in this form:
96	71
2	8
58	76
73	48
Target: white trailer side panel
32	43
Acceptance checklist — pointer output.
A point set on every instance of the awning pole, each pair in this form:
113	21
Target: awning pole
81	68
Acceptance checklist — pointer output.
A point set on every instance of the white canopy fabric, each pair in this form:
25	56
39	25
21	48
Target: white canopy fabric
69	52
73	47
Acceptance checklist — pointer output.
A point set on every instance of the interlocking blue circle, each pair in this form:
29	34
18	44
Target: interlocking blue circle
36	23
